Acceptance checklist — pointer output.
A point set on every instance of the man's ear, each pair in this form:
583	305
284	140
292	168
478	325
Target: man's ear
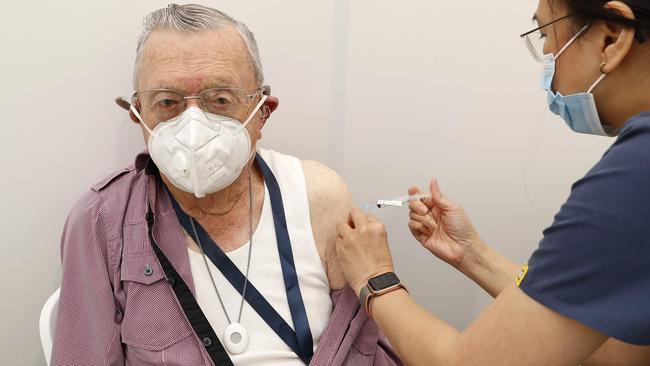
120	101
134	118
270	105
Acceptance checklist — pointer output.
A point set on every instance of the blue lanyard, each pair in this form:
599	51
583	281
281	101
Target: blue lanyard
300	340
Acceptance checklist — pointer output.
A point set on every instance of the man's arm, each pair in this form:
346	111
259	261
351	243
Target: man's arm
88	323
329	201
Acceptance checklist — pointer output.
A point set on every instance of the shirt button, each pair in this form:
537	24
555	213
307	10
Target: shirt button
207	341
148	271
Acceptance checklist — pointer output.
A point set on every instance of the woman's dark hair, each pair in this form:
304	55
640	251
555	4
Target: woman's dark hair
587	11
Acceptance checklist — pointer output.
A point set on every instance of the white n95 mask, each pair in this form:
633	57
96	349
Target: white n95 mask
200	152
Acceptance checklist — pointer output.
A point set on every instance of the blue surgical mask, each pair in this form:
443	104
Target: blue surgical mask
577	110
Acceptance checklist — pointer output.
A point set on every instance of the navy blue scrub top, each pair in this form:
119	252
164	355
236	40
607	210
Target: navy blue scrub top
593	264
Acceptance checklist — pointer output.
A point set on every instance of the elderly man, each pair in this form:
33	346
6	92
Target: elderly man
208	250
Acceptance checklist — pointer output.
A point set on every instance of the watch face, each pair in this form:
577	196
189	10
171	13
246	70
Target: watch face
383	281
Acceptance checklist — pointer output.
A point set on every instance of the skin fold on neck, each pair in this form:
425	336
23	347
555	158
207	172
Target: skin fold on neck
225	214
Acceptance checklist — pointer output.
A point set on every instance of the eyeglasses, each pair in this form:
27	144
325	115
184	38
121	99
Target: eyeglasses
165	104
534	39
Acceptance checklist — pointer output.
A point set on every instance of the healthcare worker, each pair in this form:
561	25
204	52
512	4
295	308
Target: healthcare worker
584	295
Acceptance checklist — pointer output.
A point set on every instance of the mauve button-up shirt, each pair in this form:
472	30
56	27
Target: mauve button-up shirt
116	308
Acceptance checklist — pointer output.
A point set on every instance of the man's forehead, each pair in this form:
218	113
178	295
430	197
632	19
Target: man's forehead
214	57
227	36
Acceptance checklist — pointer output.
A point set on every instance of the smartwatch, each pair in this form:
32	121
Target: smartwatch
378	286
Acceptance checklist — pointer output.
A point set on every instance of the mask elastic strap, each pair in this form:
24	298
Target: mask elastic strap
582	30
594	85
137	114
257	108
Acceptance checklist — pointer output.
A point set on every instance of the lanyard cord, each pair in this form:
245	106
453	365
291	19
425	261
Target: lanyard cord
248	263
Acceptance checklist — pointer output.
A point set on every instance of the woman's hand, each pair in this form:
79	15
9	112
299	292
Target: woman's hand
442	227
362	249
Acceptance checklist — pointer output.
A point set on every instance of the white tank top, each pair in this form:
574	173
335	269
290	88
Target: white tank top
265	347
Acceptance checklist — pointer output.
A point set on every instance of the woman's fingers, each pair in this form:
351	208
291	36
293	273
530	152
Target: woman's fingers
427	219
417	228
372	218
344	229
358	218
422	204
414	190
417	206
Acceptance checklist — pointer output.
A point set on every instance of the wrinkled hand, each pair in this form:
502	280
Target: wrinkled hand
362	249
442	226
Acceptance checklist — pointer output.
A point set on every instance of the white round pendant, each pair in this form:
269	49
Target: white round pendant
235	338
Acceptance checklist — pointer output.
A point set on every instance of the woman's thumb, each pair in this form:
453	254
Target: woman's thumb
438	198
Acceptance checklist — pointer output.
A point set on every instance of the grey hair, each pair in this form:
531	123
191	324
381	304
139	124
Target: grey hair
195	18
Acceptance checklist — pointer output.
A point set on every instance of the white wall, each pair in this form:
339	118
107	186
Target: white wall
447	89
388	95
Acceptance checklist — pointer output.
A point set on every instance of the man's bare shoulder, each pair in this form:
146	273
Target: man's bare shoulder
329	201
325	187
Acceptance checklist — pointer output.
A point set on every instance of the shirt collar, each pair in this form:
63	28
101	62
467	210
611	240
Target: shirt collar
143	161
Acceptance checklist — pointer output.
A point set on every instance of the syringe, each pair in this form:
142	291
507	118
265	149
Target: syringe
397	202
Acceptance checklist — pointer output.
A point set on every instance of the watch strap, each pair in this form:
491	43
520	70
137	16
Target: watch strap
367	293
364	297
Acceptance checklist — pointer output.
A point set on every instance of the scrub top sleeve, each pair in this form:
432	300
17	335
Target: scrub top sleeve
593	264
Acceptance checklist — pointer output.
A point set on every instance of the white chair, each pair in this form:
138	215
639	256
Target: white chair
47	322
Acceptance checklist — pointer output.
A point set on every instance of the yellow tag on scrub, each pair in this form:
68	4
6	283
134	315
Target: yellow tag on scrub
522	274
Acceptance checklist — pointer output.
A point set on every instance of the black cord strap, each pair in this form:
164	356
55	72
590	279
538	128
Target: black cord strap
191	308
